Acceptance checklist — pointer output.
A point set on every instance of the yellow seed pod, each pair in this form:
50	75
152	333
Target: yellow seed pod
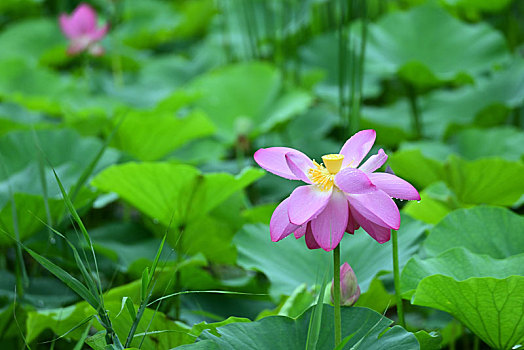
333	162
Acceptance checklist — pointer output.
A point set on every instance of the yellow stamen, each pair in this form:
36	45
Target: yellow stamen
321	177
333	162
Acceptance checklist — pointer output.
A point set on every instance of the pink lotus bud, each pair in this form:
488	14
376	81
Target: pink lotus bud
349	288
82	30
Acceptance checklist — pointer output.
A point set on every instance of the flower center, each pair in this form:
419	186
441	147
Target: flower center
333	162
322	176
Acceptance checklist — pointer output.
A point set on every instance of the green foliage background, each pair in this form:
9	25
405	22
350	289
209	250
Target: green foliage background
155	139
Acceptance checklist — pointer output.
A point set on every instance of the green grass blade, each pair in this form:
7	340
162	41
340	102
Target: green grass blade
145	283
83	322
77	219
72	210
155	262
65	277
91	285
316	318
17	324
204	292
130	308
80	344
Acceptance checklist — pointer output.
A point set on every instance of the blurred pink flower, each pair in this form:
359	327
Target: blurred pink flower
82	30
349	288
341	195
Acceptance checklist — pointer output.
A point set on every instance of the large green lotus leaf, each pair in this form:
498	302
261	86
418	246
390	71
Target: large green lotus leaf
146	25
369	329
474	269
160	190
152	135
14	117
11	329
486	181
163	73
484	103
392	123
30	39
429	341
493	181
19	155
494	231
41	292
35	87
460	264
473	7
413	166
31	213
289	263
92	94
20	8
247	98
437	200
416	44
505	142
180	197
489	307
38	88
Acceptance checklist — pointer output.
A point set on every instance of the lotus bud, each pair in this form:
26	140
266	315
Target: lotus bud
349	288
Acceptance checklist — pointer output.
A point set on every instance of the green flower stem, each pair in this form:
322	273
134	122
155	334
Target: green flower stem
396	276
336	297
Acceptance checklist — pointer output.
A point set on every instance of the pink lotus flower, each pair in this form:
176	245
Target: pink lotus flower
341	195
349	288
82	30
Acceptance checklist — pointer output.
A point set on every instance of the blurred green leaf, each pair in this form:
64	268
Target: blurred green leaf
19	156
157	22
505	142
413	43
486	181
30	39
486	103
437	200
429	341
179	197
247	98
152	135
414	167
67	279
42	291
